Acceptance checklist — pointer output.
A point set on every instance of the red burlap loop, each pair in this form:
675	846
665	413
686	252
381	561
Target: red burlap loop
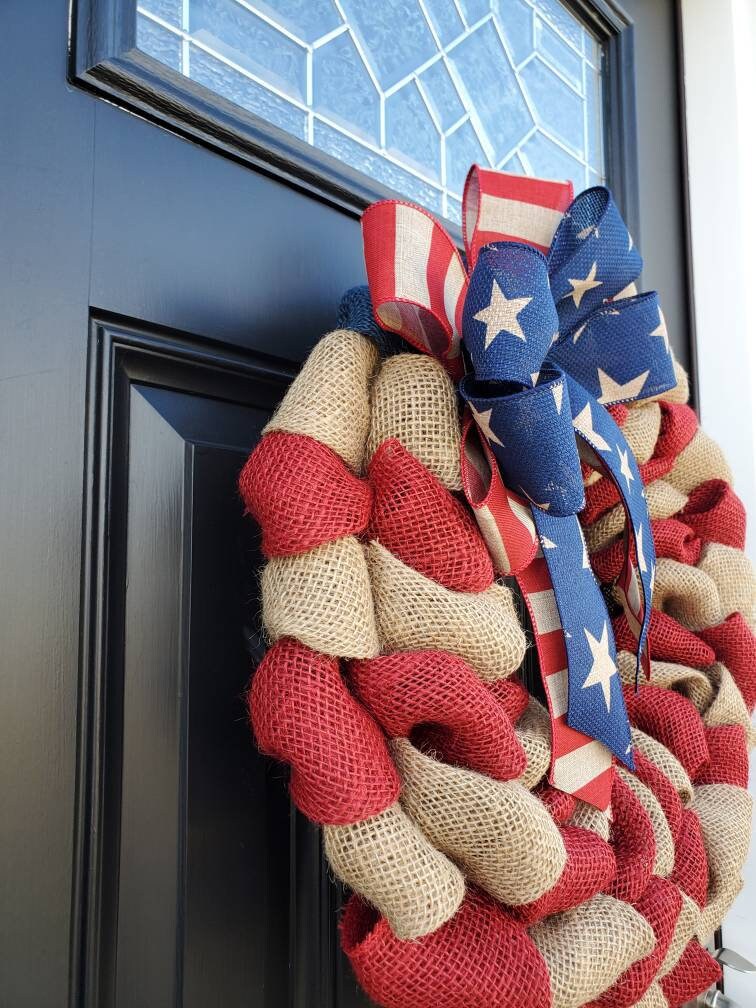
632	839
716	513
590	869
672	720
728	757
560	804
668	640
672	538
301	494
481	958
418	520
695	972
679	424
691	871
511	695
735	646
303	714
663	790
660	904
439	695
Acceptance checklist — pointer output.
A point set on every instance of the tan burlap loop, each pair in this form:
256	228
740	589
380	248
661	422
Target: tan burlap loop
641	429
665	761
534	732
732	573
692	683
414	613
653	998
413	399
323	598
329	398
702	459
586	949
687	926
390	862
728	706
664	861
663	502
688	594
499	834
725	814
589	817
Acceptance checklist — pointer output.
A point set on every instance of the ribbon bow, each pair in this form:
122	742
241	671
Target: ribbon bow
554	332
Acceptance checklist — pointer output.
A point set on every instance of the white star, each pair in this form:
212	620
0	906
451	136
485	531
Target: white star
587	231
534	377
584	423
661	330
612	391
547	543
483	420
558	391
501	315
543	507
581	287
603	667
578	332
639	548
625	466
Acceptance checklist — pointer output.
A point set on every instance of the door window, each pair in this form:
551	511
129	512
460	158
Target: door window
409	92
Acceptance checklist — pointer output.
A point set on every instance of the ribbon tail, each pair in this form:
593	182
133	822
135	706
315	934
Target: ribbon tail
595	704
605	448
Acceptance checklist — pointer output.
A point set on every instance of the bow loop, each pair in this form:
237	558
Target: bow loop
592	258
621	353
509	319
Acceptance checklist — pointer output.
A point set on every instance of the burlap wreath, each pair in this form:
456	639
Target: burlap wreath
391	689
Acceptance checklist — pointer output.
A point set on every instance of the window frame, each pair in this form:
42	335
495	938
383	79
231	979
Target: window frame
105	60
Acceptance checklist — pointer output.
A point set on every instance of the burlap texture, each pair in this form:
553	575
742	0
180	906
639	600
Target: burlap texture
685	929
727	706
534	732
688	594
302	713
680	393
699	461
691	872
663	790
329	400
587	948
641	429
415	613
665	761
497	832
481	958
694	973
728	757
413	399
660	904
437	696
633	842
724	812
732	573
423	524
694	684
390	862
672	719
734	644
589	817
589	870
301	494
715	513
664	859
322	598
663	501
653	998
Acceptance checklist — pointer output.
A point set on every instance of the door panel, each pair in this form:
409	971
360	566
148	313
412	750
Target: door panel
155	299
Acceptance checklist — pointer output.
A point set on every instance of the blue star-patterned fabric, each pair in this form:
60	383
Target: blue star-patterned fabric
549	352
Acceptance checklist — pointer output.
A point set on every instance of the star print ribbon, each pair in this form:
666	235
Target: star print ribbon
551	341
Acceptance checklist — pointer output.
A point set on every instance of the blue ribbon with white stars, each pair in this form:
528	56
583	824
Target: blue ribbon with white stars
551	345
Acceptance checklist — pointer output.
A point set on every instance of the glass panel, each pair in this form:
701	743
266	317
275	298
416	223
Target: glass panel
410	92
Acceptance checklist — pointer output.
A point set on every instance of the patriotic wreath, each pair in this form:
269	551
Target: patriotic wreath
570	847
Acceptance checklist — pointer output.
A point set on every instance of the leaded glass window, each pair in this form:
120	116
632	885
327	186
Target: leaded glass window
410	92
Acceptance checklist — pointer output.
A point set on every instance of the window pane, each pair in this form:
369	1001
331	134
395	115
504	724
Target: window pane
410	92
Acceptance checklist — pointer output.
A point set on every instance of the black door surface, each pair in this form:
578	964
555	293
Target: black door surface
160	283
